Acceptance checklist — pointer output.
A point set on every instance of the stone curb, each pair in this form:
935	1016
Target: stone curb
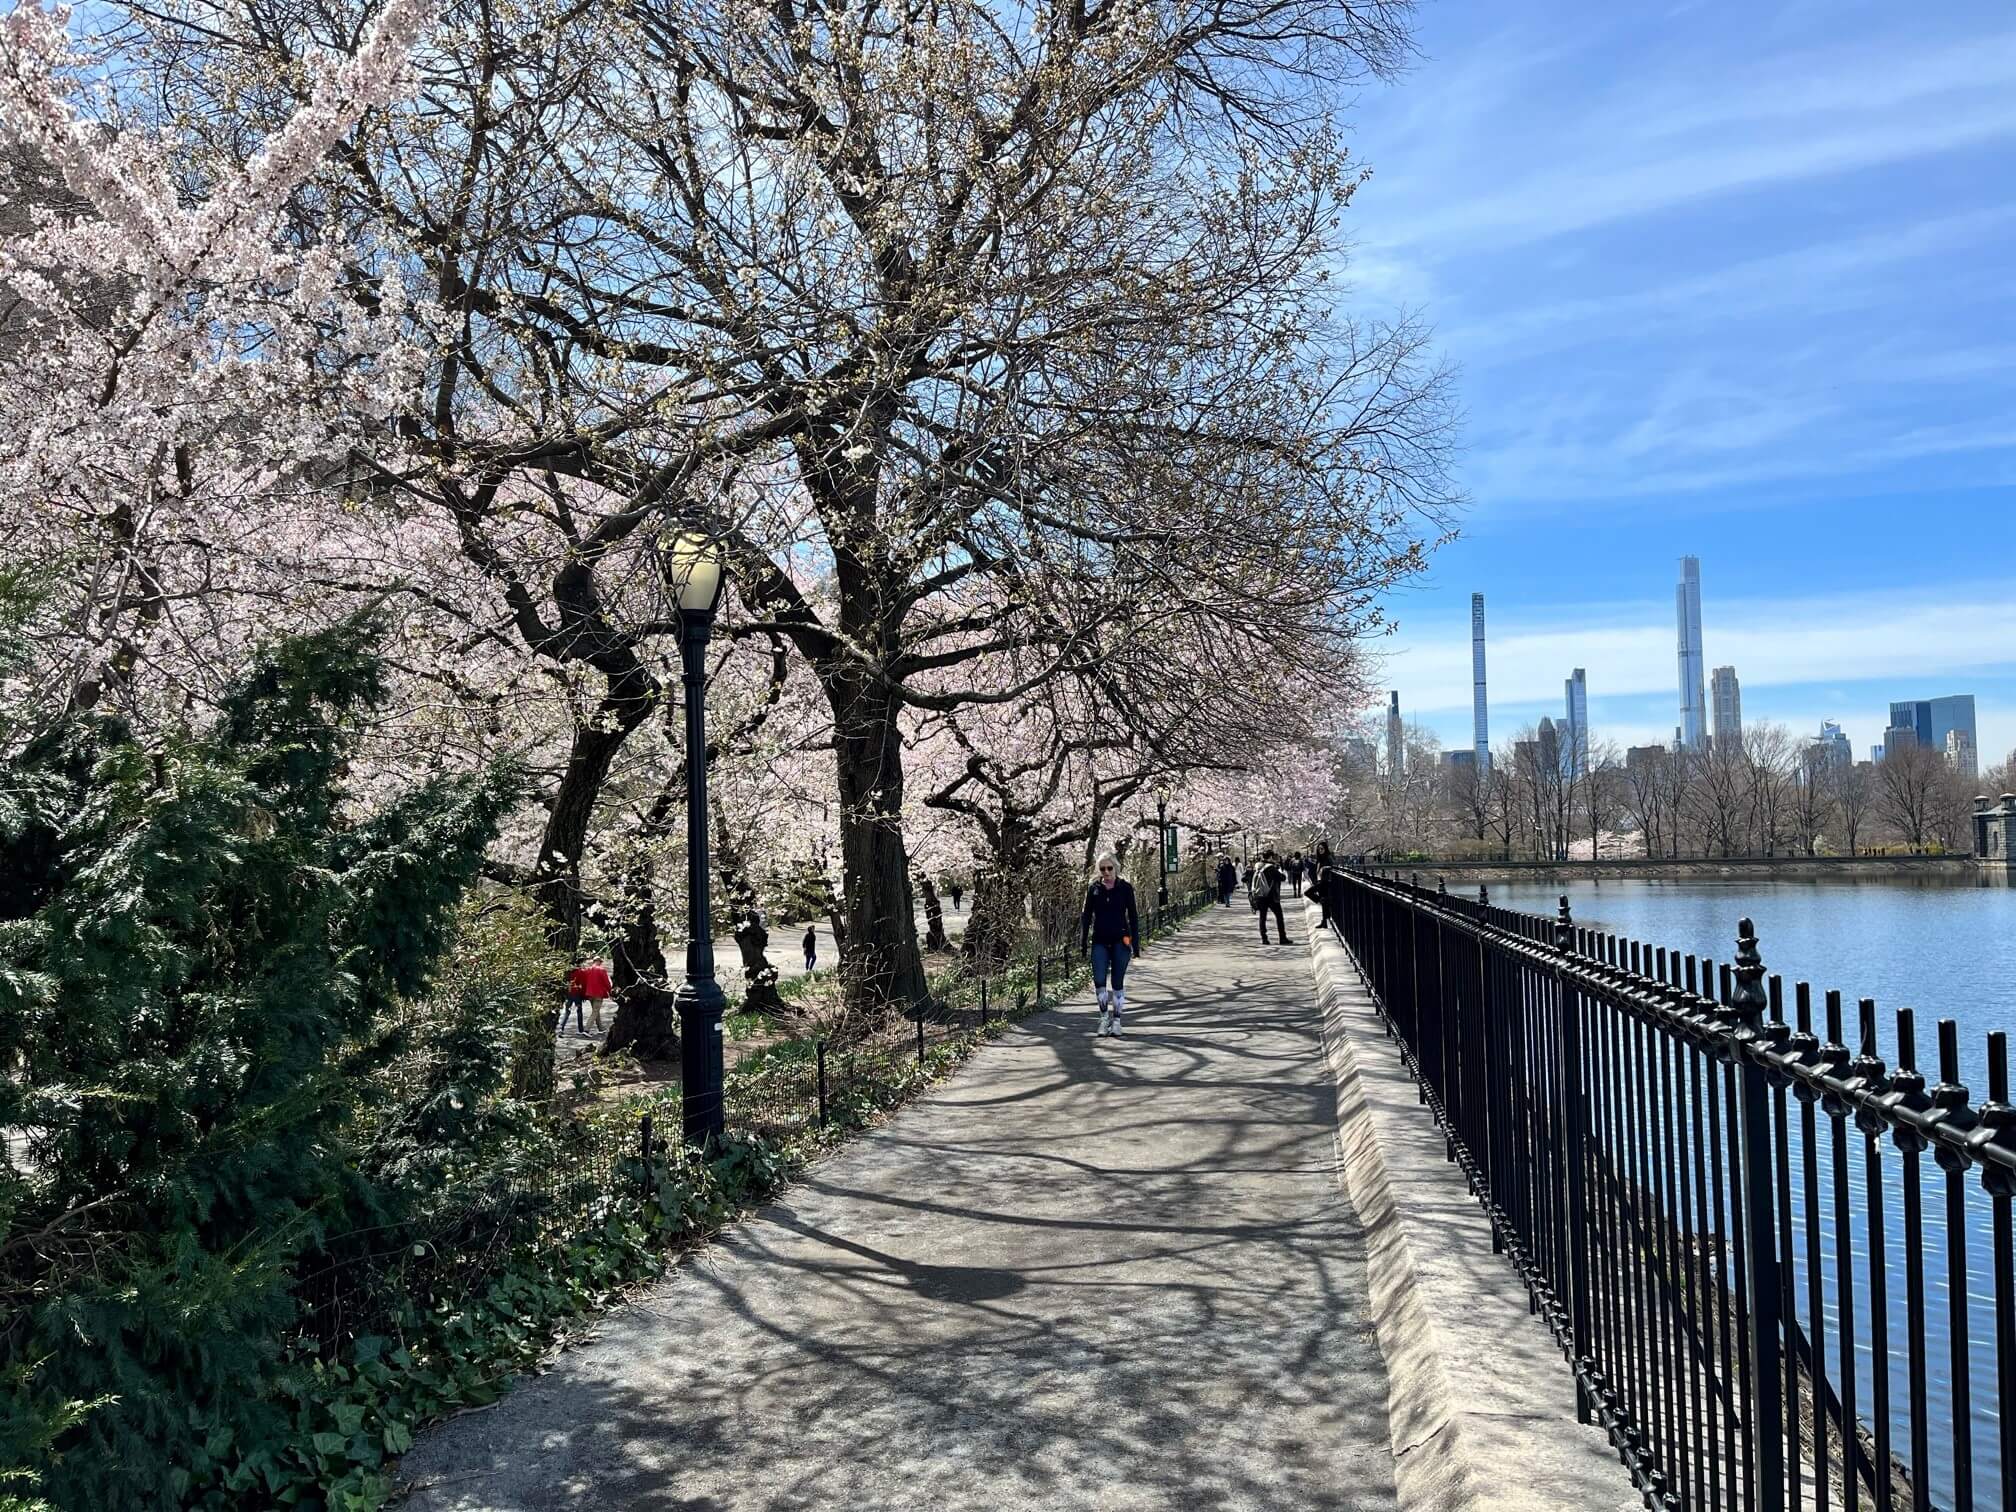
1481	1403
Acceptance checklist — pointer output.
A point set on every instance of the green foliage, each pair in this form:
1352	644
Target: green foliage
199	951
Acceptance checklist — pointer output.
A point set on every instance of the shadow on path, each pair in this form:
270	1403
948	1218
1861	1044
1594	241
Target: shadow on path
1085	1273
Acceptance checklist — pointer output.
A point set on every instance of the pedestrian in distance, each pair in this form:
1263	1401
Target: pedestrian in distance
577	999
1228	880
1295	872
1265	892
956	891
1111	924
1325	886
811	948
595	987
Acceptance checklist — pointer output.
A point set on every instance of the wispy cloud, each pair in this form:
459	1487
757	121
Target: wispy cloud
1656	143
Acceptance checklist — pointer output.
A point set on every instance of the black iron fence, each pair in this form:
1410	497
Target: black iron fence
1722	1214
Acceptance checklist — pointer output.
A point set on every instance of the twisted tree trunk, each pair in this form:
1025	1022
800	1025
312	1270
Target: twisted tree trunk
935	937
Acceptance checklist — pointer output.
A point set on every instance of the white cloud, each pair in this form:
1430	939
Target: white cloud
1663	142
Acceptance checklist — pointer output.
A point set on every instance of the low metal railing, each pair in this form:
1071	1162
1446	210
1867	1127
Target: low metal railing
1698	1195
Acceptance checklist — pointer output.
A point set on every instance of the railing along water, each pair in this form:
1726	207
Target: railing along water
1671	1166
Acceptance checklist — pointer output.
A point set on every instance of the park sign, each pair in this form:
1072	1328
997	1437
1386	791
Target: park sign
1171	860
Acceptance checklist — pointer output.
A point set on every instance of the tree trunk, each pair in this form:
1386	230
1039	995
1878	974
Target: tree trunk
994	922
646	1023
881	966
752	938
596	741
934	916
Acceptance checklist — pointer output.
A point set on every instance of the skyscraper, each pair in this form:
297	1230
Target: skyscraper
1932	720
1479	724
1693	696
1396	740
1576	751
1960	753
1728	697
1832	747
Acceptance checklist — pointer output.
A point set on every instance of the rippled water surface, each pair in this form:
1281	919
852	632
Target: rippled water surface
1946	949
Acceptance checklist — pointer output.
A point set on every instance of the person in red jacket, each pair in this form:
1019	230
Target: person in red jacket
577	997
595	987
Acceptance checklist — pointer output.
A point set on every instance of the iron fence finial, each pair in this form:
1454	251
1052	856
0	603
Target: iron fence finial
1564	928
1748	1002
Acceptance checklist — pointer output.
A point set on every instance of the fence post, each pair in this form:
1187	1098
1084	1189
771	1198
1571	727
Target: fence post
1574	1143
920	1034
1747	1034
644	1150
1039	979
822	1083
983	1002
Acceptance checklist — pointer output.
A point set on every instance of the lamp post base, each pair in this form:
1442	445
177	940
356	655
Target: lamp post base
702	1006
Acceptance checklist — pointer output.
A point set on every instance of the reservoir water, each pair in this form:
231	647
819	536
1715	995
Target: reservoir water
1945	948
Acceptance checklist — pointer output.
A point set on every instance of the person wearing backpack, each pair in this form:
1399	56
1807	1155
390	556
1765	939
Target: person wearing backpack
1110	922
1265	894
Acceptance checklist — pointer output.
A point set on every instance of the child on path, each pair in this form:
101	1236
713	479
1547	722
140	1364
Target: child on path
1110	921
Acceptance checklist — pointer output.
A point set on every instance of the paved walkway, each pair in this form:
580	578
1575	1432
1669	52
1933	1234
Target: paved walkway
1086	1273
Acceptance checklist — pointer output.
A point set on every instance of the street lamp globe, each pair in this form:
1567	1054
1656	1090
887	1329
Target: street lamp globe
698	575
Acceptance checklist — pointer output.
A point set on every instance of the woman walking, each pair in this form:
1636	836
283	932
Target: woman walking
1112	925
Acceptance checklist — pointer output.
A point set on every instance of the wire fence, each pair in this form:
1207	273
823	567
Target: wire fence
1722	1215
571	1171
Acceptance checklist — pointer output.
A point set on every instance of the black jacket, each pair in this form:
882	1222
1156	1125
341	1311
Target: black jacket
1109	915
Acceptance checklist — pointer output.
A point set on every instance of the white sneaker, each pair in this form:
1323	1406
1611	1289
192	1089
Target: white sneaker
1115	1030
1104	1017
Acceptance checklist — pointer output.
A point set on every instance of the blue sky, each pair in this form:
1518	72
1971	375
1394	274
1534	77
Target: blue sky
1729	279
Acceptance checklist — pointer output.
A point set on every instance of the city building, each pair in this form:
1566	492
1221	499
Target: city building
1931	720
1727	696
1876	754
1576	689
1396	738
1693	692
1960	754
1549	744
1830	751
1459	762
1479	722
1645	757
1897	738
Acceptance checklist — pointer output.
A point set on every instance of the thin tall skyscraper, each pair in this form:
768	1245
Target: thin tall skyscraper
1396	742
1480	724
1693	679
1576	756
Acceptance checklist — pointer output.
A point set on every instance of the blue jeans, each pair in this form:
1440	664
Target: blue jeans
1113	958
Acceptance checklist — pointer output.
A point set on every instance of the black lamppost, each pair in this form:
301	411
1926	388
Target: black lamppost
1162	846
698	578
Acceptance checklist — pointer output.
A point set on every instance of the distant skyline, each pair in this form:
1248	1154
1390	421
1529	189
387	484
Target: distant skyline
1770	323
